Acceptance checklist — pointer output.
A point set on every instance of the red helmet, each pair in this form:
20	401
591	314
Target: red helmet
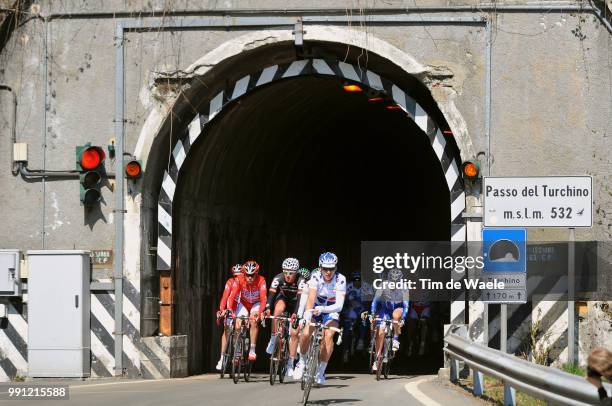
250	268
236	270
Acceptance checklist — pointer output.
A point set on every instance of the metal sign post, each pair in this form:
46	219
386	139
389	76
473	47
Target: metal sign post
571	356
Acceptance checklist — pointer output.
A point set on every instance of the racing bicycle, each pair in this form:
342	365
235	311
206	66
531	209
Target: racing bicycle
280	353
240	359
312	356
229	346
383	361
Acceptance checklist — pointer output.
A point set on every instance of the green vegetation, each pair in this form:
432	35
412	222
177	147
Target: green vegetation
494	390
574	369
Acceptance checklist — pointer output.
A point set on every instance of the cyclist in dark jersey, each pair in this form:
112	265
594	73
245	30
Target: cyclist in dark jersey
283	297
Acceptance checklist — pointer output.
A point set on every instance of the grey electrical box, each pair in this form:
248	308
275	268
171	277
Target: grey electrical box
10	275
58	314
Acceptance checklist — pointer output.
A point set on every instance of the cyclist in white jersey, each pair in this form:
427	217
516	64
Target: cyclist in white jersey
326	291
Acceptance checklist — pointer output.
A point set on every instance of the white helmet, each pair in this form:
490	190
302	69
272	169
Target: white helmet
291	264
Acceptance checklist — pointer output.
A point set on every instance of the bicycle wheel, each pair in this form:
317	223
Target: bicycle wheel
237	359
388	356
379	361
247	369
372	355
283	361
310	372
379	365
228	353
274	361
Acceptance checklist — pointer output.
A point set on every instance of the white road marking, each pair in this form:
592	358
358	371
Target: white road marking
413	389
173	380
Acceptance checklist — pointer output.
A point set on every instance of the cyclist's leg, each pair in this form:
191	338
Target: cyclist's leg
293	342
254	329
383	313
304	341
327	346
223	337
397	329
397	315
279	308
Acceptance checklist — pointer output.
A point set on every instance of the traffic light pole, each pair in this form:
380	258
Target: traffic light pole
119	204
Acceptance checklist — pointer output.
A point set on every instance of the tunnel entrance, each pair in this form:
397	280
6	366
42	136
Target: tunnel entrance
295	168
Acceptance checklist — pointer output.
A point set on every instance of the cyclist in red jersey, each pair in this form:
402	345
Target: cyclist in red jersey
252	289
223	307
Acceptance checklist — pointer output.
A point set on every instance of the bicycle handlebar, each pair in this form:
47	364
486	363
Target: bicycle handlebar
387	320
278	317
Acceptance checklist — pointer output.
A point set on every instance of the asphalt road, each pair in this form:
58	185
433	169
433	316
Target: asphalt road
341	389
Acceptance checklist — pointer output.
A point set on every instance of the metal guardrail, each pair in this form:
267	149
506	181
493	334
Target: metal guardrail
546	383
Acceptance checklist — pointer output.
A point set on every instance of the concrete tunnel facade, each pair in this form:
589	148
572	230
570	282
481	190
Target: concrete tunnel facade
293	166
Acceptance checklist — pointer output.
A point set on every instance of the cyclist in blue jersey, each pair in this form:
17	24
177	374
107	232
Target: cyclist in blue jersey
389	304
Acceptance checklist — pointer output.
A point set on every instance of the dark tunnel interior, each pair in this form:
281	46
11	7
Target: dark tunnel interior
297	168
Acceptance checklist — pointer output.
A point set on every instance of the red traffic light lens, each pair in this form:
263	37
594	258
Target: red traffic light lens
92	157
470	170
133	169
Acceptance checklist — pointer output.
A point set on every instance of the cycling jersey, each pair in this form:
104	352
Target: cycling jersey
281	289
330	295
226	292
251	294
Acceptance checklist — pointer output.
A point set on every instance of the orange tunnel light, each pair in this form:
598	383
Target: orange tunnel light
352	88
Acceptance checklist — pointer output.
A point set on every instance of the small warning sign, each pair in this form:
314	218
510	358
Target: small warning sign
102	259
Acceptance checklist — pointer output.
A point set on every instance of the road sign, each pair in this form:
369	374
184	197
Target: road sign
505	260
504	249
548	201
504	296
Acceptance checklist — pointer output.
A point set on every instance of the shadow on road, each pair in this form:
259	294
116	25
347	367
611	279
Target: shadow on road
332	401
340	377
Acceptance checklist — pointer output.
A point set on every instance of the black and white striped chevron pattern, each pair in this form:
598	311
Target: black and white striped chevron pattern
442	149
13	337
14	343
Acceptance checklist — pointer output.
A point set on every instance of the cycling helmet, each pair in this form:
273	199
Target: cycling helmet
356	276
236	270
291	264
314	270
328	260
250	268
304	273
395	275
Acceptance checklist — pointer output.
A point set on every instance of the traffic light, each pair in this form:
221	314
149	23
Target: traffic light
132	169
90	164
470	170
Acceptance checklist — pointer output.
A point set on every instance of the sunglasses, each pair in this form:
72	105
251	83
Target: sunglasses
330	270
249	276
